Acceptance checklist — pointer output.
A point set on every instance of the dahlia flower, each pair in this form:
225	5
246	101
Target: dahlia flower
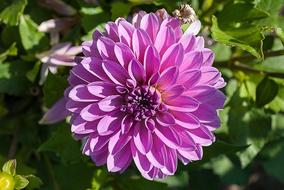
145	92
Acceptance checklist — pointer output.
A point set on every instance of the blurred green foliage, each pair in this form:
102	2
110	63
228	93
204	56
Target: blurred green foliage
248	38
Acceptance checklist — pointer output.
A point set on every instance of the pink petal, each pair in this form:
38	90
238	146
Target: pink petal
182	104
136	71
151	61
193	28
115	72
168	78
140	42
112	31
151	25
189	78
56	113
165	119
142	138
172	57
123	54
125	31
117	142
168	136
140	160
119	161
105	47
186	120
165	38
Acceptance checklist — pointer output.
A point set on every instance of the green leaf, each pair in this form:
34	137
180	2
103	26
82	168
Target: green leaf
11	51
274	166
20	182
222	147
266	91
34	182
273	7
13	75
10	167
120	9
11	14
58	142
32	74
53	89
29	33
248	38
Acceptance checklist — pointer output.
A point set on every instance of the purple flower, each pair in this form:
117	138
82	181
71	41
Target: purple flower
145	92
59	55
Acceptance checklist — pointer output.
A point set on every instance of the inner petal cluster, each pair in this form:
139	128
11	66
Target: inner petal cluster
141	102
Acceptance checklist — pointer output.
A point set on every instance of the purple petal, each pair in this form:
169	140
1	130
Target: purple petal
173	92
151	61
172	57
165	118
136	71
168	77
105	47
142	138
193	28
56	113
140	160
151	25
109	124
110	103
80	93
182	104
117	142
168	136
112	31
189	78
125	31
119	161
123	54
186	120
115	72
165	38
137	18
140	42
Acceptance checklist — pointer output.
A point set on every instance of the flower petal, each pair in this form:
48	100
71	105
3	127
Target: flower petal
182	104
151	25
142	138
172	57
140	42
151	61
136	71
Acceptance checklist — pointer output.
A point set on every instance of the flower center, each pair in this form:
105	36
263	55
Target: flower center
141	102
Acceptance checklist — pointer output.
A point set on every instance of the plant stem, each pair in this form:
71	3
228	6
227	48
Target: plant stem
247	58
14	143
235	65
51	173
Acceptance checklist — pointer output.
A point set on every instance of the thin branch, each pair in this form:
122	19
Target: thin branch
14	143
235	64
247	58
51	173
246	68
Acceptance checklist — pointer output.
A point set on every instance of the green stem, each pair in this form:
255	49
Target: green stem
247	58
235	64
51	172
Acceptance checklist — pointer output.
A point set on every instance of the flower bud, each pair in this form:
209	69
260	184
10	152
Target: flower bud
7	181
